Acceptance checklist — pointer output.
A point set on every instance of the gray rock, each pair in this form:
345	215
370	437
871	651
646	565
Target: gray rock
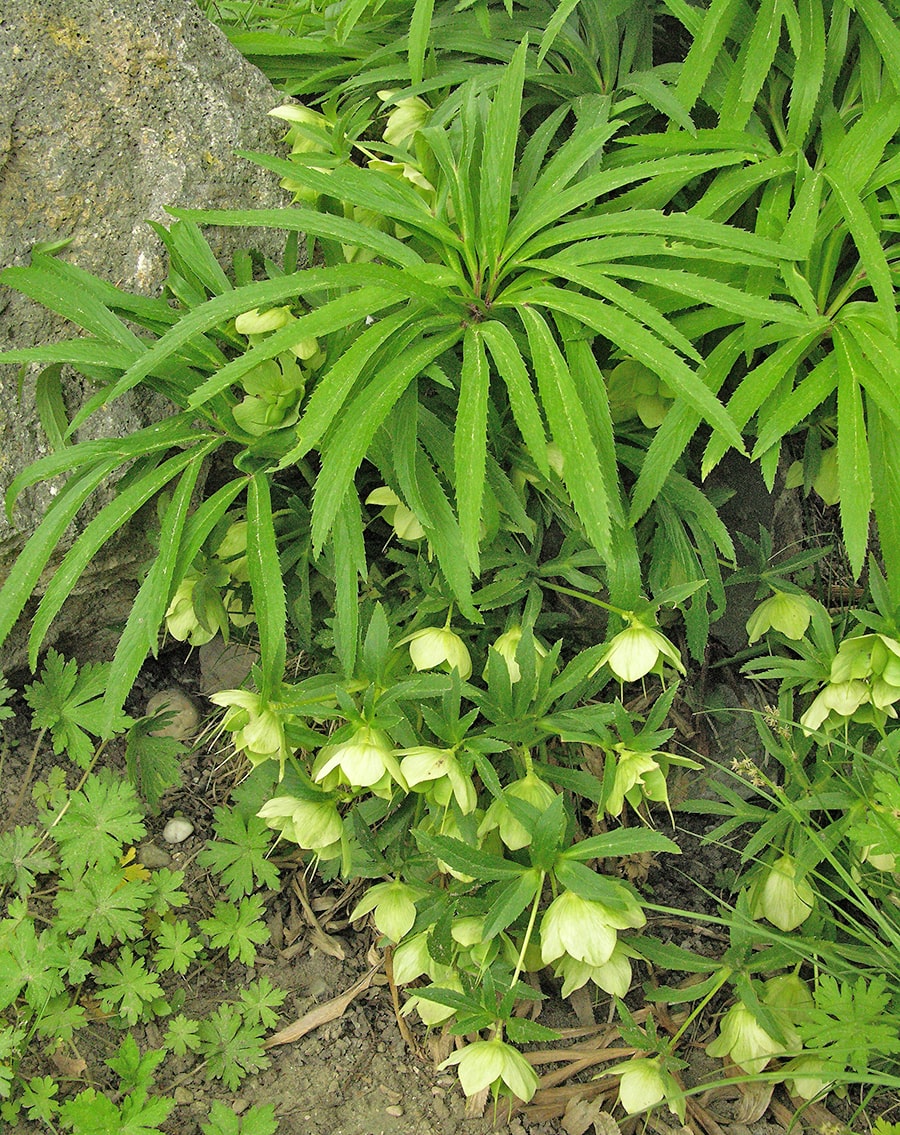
108	113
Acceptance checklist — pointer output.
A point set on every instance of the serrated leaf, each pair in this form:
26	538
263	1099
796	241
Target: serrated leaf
470	442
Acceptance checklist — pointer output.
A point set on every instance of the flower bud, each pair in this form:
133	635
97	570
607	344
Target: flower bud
506	646
258	322
532	790
408	116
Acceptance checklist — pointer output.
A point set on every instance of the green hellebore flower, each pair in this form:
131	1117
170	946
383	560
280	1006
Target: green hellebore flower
641	1084
182	622
440	771
363	760
394	906
790	614
840	698
491	1062
433	1012
781	898
412	959
506	646
404	171
636	651
258	322
613	977
313	824
807	1077
515	835
438	646
636	771
583	929
747	1043
408	116
403	520
304	124
827	481
257	730
635	391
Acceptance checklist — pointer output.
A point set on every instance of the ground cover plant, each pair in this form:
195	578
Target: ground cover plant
545	265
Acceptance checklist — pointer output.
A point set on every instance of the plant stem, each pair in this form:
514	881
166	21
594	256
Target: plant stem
534	909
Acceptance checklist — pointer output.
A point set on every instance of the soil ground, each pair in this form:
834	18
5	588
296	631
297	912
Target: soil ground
356	1074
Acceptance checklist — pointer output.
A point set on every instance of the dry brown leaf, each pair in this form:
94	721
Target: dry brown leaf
68	1066
581	1002
476	1104
322	1014
755	1100
580	1114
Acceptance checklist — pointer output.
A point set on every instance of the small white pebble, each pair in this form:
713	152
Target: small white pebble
177	830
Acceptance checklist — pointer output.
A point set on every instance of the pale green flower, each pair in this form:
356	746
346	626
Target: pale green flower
394	906
412	959
434	1013
507	645
256	729
363	761
807	1077
785	612
404	171
408	116
613	977
635	770
491	1062
584	929
440	773
641	1085
182	622
438	646
313	824
747	1043
637	651
840	698
403	520
233	551
515	835
780	897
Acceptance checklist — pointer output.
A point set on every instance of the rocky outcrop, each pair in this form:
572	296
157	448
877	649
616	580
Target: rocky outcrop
109	112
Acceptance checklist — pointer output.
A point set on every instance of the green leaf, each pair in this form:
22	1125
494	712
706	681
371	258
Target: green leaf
238	855
419	34
67	702
141	633
232	1047
100	820
511	368
884	447
104	525
629	336
854	471
350	441
570	430
152	761
870	249
470	442
50	406
509	900
621	842
267	585
238	927
349	568
482	865
498	161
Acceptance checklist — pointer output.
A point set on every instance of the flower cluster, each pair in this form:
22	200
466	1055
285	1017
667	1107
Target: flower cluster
863	685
